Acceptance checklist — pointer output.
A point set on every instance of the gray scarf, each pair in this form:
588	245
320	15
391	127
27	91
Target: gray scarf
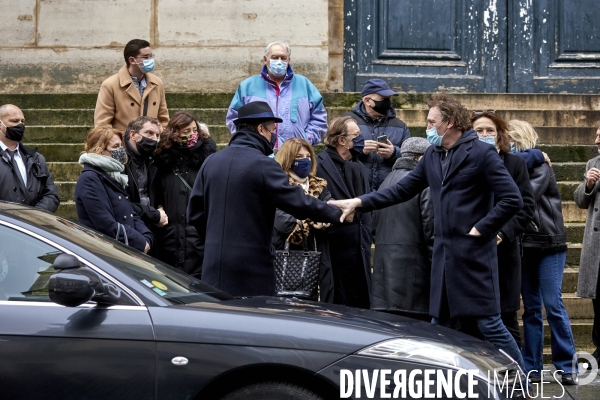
112	167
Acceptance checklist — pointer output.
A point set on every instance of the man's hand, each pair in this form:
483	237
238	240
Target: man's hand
591	177
164	220
547	159
147	248
385	150
474	232
370	146
347	207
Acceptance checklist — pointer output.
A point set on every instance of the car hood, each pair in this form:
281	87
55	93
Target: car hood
295	324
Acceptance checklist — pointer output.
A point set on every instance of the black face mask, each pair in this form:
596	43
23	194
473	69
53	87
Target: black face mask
15	132
382	106
146	147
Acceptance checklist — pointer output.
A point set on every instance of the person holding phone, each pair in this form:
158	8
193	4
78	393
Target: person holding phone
382	131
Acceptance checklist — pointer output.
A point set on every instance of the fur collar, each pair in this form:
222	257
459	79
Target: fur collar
315	185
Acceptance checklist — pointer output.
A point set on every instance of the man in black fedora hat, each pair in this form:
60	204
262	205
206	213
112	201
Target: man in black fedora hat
233	204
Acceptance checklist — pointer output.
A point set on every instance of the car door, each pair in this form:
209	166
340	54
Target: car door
51	351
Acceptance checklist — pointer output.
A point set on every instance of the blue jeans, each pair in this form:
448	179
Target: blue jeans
542	281
494	331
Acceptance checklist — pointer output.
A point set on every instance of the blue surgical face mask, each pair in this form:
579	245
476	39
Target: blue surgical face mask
147	66
277	67
488	139
301	167
433	137
359	144
513	148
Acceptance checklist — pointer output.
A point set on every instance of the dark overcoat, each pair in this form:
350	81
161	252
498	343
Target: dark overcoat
101	203
178	243
148	213
510	249
464	267
349	243
403	235
232	207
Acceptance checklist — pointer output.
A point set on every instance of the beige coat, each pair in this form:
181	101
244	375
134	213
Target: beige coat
119	100
590	253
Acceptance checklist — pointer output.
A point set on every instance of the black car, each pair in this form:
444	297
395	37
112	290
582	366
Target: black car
84	317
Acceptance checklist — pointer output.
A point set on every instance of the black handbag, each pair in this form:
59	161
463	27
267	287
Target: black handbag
297	271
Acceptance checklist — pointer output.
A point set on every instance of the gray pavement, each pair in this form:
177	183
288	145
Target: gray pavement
580	392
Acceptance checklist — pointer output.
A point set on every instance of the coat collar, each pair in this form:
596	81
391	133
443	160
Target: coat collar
125	81
327	164
246	138
105	177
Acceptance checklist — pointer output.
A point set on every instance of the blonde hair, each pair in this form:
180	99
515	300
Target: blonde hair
289	150
523	134
98	138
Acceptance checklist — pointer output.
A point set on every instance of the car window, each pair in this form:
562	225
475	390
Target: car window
25	266
157	277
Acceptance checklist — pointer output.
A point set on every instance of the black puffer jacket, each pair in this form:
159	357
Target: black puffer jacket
178	243
548	219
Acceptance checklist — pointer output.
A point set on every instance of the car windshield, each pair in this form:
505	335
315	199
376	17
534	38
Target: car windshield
160	279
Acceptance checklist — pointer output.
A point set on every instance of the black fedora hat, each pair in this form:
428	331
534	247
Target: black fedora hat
257	111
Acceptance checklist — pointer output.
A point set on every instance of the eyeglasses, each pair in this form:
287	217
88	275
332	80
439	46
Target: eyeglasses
146	57
479	112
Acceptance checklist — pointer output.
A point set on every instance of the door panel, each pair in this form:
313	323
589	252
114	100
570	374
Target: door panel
51	351
517	46
427	45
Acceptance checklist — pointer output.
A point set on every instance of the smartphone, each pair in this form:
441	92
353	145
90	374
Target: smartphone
382	139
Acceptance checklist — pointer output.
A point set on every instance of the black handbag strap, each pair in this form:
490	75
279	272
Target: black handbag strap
178	174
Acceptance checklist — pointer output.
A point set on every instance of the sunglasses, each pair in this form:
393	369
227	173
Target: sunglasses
479	112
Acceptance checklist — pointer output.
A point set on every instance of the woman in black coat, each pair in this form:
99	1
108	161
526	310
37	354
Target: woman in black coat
349	243
297	158
493	130
183	147
100	197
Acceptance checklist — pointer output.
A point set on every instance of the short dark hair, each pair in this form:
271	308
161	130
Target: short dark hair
450	107
133	47
137	124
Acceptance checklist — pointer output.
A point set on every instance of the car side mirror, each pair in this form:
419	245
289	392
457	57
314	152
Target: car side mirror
72	285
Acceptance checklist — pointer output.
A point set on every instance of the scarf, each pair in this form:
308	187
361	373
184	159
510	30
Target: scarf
315	188
109	165
351	171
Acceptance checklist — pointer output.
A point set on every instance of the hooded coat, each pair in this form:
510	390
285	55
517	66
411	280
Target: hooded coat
470	187
232	207
403	236
371	128
178	243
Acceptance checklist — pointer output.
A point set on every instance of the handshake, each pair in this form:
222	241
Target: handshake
347	206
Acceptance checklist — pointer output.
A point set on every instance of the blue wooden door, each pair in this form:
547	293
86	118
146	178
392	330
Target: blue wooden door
493	46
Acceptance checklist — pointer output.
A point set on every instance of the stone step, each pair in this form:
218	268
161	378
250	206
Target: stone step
569	153
65	171
66	191
573	254
574	231
67	209
572	213
569	171
472	101
413	117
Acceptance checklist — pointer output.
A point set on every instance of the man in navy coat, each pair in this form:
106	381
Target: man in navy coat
233	204
473	197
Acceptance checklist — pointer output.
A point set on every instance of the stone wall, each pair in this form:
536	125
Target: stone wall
70	46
